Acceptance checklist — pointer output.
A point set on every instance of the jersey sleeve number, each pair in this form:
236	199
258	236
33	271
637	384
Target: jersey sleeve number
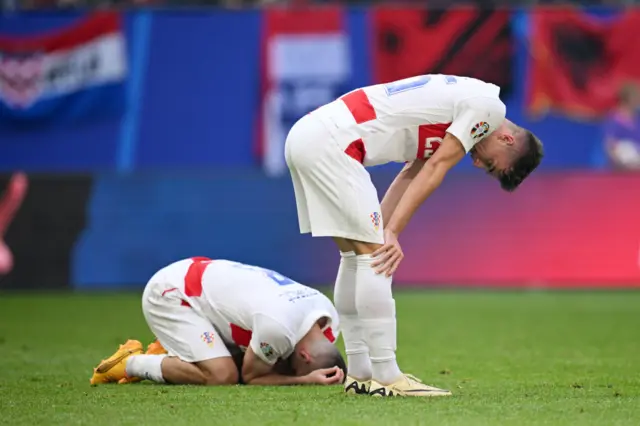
413	83
278	278
429	139
406	84
272	275
431	145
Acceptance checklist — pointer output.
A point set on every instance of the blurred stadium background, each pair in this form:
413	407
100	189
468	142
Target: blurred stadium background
151	131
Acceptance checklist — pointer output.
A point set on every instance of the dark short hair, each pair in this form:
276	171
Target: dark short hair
331	358
528	161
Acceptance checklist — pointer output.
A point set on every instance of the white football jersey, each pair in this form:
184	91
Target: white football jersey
407	119
251	306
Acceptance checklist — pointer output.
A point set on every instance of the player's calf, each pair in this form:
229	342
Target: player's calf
374	325
129	364
212	372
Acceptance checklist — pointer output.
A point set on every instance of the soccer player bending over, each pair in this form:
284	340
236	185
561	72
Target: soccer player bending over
200	308
428	122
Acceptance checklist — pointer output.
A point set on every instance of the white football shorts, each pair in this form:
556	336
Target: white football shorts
334	193
181	330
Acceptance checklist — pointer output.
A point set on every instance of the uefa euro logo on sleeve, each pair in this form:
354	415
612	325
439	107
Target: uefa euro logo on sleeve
480	130
375	219
207	337
267	349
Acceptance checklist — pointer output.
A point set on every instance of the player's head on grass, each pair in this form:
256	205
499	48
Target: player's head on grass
314	352
509	154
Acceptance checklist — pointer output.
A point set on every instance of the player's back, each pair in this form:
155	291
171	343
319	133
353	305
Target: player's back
402	104
201	277
232	285
233	294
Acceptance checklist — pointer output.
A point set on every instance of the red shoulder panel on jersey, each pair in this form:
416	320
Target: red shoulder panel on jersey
356	150
240	336
193	278
359	106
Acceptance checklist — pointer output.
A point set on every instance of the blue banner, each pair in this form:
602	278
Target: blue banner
196	102
64	76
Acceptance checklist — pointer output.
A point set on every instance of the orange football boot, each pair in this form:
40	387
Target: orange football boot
113	369
154	348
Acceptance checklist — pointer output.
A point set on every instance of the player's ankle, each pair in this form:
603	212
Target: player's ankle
359	366
146	367
360	379
386	371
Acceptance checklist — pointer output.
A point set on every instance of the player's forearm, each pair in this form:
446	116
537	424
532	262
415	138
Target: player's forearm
417	192
397	189
392	197
273	379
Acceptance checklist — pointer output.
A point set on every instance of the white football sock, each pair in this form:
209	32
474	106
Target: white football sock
358	362
146	367
377	313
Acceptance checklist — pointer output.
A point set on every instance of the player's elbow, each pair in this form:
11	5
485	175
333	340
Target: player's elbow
248	375
412	169
436	171
249	379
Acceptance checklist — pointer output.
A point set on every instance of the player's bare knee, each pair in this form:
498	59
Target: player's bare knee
362	247
343	244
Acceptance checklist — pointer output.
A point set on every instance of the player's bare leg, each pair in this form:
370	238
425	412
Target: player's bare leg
377	318
358	378
212	372
162	368
129	364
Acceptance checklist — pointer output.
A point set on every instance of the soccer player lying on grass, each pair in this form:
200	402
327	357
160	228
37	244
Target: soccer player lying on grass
200	308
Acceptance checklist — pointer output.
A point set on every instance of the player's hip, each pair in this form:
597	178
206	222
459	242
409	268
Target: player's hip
167	290
310	142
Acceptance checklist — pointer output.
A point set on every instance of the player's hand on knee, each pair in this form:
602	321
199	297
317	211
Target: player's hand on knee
388	257
325	376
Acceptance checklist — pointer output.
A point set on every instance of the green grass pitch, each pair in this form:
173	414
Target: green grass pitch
511	358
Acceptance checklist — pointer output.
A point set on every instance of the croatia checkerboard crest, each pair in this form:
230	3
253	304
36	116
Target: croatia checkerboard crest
208	338
375	220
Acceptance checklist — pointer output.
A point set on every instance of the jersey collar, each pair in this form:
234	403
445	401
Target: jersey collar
310	319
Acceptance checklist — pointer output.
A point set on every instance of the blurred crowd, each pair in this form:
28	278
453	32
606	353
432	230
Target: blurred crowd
46	4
